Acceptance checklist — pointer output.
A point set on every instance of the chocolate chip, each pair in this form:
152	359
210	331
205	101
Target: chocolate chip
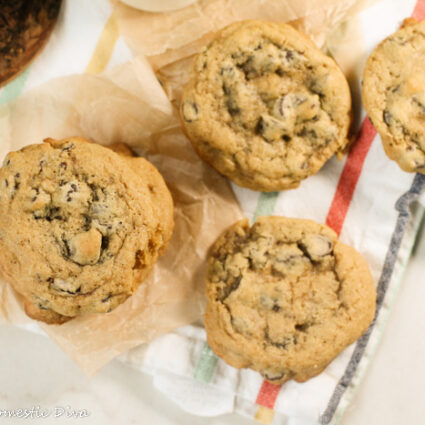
227	71
67	249
302	327
139	260
316	87
52	214
269	302
316	246
42	164
288	259
282	344
49	213
68	195
105	243
285	108
259	128
280	106
272	376
68	147
240	325
232	284
417	102
387	116
107	298
63	165
68	286
87	221
94	195
270	128
232	107
190	111
248	68
307	133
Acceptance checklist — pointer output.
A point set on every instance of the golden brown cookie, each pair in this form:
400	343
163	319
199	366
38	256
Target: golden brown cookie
265	106
80	226
394	94
25	26
285	297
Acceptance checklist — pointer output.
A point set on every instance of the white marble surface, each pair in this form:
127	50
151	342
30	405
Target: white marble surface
35	372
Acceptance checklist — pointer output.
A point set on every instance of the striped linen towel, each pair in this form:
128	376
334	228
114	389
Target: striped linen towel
367	199
371	204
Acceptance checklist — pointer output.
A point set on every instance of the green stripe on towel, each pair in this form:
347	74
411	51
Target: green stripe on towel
207	362
206	365
14	88
266	204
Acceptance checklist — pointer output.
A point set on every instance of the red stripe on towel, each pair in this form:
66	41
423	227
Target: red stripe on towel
350	176
343	195
344	192
419	10
267	395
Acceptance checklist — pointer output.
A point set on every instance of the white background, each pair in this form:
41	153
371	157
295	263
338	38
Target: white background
35	372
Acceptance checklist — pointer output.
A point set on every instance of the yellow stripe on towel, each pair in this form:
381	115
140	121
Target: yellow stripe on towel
264	415
104	47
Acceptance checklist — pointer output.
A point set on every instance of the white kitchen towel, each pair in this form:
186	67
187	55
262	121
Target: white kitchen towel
366	198
370	202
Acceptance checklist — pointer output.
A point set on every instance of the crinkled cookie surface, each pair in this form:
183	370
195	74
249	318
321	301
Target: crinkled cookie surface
265	106
394	95
285	297
80	226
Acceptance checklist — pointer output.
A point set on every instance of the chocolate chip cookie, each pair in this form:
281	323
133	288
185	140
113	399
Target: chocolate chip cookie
285	297
394	94
25	26
80	226
265	106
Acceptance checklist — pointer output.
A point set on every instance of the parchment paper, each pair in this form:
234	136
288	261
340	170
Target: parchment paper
169	40
128	105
